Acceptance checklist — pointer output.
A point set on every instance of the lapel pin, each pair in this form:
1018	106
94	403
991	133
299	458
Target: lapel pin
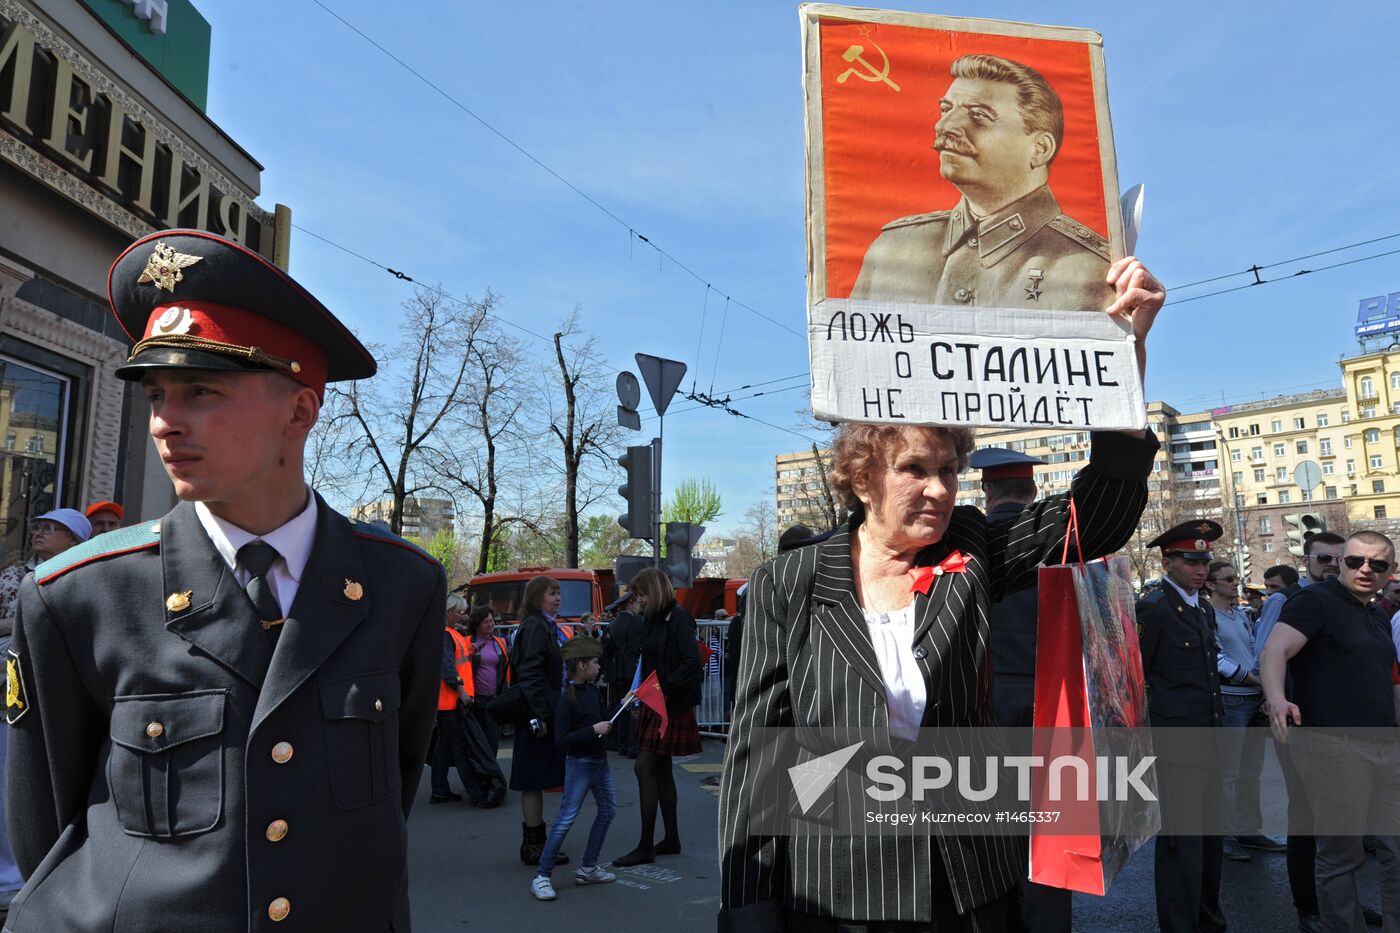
354	591
178	602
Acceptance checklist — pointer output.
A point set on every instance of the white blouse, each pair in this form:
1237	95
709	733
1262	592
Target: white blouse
892	634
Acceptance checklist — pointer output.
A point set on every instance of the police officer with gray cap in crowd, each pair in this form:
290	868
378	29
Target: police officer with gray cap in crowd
1176	630
218	720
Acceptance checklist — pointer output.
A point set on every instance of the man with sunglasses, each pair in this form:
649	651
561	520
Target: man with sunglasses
1322	560
1336	646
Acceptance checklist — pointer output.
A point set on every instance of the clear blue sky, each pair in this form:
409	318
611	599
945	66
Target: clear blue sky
1262	132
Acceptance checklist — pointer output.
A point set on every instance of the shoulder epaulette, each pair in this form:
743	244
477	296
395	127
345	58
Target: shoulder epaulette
1080	234
113	543
1154	597
913	219
376	533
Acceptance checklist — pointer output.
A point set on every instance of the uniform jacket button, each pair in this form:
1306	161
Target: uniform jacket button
282	752
155	730
279	909
378	706
921	652
276	830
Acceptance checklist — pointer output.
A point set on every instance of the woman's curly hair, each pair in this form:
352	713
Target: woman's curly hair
862	448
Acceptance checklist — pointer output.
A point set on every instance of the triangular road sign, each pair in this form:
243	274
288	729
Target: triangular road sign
662	378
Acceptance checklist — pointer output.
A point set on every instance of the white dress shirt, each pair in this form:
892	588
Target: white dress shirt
1193	600
293	543
892	634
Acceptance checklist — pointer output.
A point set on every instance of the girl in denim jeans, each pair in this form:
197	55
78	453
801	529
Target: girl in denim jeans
580	728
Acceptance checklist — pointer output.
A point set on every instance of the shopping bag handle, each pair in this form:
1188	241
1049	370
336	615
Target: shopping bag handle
1072	528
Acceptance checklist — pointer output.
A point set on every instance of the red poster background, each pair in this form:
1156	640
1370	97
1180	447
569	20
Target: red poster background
878	143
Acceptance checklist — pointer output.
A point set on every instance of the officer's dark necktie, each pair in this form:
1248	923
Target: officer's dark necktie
257	557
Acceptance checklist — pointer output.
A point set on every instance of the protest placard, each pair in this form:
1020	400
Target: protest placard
962	214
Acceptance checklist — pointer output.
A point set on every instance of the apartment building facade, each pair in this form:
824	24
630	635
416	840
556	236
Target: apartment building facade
422	518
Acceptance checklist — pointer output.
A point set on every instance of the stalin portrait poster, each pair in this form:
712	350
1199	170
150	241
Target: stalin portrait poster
962	214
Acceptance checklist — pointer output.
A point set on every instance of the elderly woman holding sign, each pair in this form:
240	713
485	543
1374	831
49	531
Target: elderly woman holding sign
884	627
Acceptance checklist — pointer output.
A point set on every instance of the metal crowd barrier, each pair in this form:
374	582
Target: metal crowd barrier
713	712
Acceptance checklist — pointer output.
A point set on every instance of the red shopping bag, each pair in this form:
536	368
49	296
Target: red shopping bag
1090	703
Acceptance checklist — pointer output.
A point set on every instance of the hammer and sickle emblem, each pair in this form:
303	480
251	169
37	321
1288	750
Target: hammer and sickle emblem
856	53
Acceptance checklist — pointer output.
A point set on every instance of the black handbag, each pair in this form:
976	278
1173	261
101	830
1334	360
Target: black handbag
509	707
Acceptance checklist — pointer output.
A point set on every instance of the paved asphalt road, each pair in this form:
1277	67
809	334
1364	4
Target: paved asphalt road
466	873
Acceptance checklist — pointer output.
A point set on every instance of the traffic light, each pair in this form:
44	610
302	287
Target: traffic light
1244	567
637	491
1303	525
681	538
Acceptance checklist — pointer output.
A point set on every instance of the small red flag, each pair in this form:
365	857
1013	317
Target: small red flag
650	694
706	652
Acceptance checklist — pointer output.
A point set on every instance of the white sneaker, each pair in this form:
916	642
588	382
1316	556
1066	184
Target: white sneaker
542	888
595	875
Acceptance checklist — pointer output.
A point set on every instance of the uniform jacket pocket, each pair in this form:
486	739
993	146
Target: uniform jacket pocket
167	764
362	737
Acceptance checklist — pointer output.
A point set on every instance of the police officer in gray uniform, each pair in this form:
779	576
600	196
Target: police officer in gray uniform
1176	631
219	719
1008	480
1006	244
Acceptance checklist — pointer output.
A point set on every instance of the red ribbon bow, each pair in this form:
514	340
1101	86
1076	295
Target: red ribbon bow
923	576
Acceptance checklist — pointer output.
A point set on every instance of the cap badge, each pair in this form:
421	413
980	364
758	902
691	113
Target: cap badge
179	602
1202	528
1200	544
354	591
175	320
164	267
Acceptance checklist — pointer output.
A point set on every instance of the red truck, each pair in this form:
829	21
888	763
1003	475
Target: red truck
585	591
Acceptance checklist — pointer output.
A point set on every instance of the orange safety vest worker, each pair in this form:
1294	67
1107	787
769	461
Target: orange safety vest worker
447	693
469	678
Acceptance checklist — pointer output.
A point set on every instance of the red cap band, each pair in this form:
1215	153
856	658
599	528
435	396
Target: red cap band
1010	471
240	328
1187	544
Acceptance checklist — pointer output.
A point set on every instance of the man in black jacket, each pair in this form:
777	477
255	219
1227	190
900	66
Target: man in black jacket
1177	632
1008	481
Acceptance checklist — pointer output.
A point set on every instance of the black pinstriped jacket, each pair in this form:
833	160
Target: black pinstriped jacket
808	662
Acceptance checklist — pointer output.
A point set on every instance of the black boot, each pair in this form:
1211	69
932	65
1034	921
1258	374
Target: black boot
532	843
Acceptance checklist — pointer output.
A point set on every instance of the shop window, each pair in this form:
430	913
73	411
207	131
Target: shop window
40	397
